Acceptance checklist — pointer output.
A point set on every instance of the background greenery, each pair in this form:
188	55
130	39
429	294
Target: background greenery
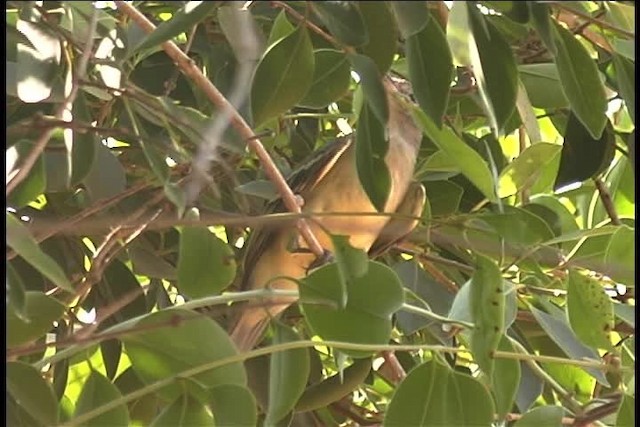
512	303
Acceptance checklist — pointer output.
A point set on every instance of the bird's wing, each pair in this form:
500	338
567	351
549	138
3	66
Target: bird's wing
301	181
398	227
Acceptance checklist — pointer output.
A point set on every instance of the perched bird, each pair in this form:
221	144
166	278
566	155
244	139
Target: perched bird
329	183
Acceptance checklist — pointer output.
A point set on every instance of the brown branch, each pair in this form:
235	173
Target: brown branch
189	68
23	170
607	202
591	19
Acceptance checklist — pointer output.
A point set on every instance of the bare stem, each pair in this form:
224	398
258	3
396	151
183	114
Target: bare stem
607	202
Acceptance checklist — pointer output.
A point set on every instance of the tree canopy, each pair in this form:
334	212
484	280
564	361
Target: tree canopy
145	138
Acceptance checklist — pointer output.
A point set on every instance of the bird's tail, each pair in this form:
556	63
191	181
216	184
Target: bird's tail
249	328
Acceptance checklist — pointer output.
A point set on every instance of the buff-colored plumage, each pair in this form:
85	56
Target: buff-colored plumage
329	183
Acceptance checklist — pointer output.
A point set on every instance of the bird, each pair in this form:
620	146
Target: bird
329	183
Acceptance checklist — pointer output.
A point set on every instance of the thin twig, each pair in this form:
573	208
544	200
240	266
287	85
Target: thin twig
188	67
591	19
18	175
607	201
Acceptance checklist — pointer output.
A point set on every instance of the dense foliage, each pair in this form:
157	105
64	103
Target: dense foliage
130	196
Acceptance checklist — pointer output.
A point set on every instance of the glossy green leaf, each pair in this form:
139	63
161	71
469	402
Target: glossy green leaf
586	295
430	69
172	341
541	20
147	262
331	78
582	156
458	33
626	71
494	69
344	21
444	197
282	76
581	82
37	62
366	319
537	162
412	16
233	405
444	396
185	411
506	379
371	149
527	114
468	160
206	264
119	283
543	86
352	264
31	392
488	311
20	240
288	374
626	313
558	329
374	92
182	21
97	391
36	181
281	28
382	45
548	415
620	256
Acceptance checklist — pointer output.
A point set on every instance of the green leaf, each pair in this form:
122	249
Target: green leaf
38	62
282	77
35	182
620	256
185	411
494	68
412	16
233	405
242	32
371	149
352	264
382	45
40	313
582	156
335	387
626	313
548	416
206	264
344	21
81	146
20	240
32	393
470	163
627	413
541	20
543	86
119	283
458	33
444	197
488	311
374	92
106	177
626	71
444	396
288	374
506	379
16	298
430	69
366	319
558	329
581	82
98	391
182	21
281	28
538	162
586	295
331	78
172	341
